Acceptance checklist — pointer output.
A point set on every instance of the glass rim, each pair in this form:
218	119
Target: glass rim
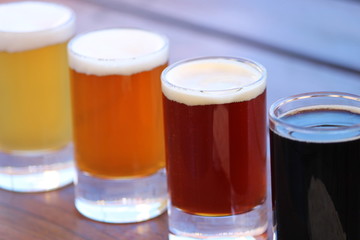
69	21
253	64
74	39
285	100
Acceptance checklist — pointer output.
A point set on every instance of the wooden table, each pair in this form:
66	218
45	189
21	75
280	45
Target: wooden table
305	45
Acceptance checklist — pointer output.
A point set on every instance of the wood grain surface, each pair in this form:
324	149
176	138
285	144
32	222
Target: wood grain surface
305	45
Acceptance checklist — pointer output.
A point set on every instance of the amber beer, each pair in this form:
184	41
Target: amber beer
118	125
215	138
118	132
117	109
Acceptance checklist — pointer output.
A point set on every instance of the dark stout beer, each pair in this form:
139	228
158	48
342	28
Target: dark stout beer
315	176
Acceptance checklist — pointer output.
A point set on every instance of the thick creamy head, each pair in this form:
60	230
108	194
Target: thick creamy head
30	25
213	81
117	52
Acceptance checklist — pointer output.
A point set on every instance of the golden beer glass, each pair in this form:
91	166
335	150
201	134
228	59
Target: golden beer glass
35	134
118	125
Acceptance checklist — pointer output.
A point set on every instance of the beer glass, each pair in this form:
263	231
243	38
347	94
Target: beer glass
215	139
35	134
118	124
315	158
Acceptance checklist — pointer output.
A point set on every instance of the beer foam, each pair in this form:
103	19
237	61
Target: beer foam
213	81
117	52
31	25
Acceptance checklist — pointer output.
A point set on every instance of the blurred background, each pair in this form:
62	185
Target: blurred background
306	45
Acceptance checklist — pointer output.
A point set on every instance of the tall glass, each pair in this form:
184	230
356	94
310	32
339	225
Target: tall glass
215	138
118	125
315	157
35	133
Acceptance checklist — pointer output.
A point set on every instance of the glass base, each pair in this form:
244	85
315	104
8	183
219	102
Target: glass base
121	200
247	226
36	171
263	236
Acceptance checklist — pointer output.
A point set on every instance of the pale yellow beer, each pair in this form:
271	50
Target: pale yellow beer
36	152
34	93
34	78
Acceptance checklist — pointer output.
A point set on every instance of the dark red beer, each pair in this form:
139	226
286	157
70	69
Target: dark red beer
216	154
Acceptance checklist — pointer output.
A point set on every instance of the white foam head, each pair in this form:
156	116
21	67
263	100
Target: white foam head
117	52
213	81
31	25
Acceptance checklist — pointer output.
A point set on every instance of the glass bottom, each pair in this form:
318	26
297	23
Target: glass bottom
36	171
247	226
121	200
